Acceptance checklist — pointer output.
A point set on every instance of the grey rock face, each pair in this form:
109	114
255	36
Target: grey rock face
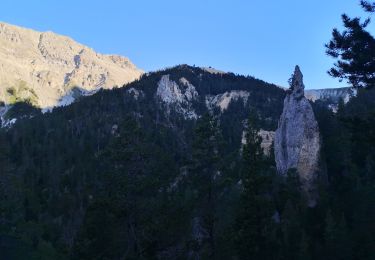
297	140
178	97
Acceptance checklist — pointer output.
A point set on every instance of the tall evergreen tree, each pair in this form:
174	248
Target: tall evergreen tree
337	239
354	49
206	171
114	226
254	221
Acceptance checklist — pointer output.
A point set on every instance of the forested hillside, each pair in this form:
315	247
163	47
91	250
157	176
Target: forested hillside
64	170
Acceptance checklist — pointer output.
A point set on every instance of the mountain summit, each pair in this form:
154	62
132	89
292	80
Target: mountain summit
43	67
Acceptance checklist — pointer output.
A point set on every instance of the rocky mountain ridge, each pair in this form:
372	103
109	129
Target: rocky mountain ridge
43	67
330	94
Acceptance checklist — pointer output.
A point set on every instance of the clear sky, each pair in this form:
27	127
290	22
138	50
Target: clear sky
265	39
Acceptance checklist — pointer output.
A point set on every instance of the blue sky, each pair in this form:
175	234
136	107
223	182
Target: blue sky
265	39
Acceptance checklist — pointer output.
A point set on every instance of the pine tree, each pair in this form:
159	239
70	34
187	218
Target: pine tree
368	6
10	201
253	226
291	230
206	173
304	248
337	241
354	49
113	226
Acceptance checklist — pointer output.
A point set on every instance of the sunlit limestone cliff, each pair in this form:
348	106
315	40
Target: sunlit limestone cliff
46	69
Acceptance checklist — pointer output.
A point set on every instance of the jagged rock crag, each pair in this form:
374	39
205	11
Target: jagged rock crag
177	96
297	139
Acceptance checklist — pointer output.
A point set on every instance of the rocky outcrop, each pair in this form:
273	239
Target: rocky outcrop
44	67
267	140
297	139
223	100
177	96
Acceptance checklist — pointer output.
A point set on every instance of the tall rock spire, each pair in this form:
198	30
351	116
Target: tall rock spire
297	139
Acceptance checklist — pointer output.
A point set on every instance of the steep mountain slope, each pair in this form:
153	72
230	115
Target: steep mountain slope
63	155
43	67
